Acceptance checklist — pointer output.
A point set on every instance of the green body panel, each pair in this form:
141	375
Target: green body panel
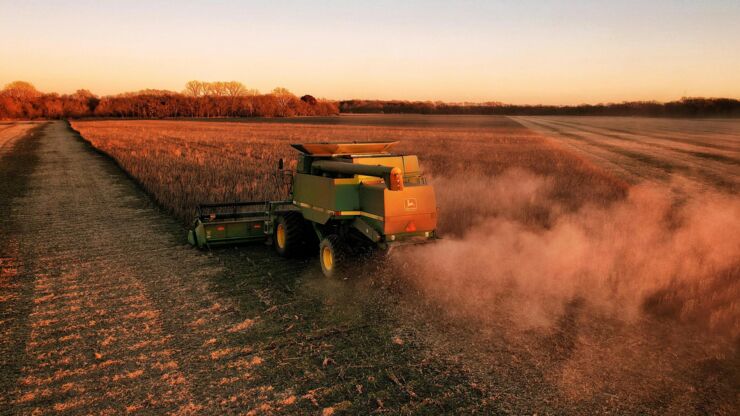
319	197
314	215
327	193
346	198
366	229
234	230
372	199
227	232
376	224
313	190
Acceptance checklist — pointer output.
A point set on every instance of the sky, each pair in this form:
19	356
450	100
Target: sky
520	52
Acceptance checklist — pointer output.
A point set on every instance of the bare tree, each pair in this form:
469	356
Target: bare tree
283	98
215	89
235	89
21	90
83	95
282	92
194	88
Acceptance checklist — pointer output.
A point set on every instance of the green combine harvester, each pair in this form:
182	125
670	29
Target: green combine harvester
345	197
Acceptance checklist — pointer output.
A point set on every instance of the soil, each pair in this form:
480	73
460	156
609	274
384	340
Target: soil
105	309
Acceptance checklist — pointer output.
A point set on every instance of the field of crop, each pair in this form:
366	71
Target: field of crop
492	168
185	163
589	265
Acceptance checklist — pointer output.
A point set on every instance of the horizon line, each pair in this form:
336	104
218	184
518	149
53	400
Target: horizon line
488	102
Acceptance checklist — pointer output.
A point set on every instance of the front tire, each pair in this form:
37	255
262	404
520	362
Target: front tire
289	233
333	256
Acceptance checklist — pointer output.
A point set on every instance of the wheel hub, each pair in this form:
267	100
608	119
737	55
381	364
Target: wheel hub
327	258
280	235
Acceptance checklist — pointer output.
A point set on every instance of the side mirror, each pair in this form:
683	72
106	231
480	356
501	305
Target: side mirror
280	164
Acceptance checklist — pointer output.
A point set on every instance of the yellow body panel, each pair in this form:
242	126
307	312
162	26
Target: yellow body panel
330	149
412	210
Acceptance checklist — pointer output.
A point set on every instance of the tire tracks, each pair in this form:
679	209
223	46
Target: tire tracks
638	161
17	163
116	314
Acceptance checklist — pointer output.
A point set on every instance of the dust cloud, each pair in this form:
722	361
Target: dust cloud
512	248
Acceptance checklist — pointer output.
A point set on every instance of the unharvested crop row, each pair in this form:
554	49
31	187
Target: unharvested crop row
183	163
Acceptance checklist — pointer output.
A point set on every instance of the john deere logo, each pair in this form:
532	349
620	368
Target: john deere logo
410	204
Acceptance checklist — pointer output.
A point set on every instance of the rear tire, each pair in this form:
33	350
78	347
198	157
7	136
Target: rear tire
334	256
289	235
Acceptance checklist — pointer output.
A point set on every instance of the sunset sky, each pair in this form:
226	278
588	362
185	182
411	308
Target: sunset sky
552	52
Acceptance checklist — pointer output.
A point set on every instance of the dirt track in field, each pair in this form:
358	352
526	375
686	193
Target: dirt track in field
117	317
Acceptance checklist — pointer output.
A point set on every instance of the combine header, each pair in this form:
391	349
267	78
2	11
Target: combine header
344	197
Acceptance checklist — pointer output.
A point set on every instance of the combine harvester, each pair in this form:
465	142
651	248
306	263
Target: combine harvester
345	197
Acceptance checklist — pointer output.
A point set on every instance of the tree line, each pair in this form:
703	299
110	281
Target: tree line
685	107
21	100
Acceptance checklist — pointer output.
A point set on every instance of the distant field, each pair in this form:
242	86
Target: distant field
701	154
384	120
